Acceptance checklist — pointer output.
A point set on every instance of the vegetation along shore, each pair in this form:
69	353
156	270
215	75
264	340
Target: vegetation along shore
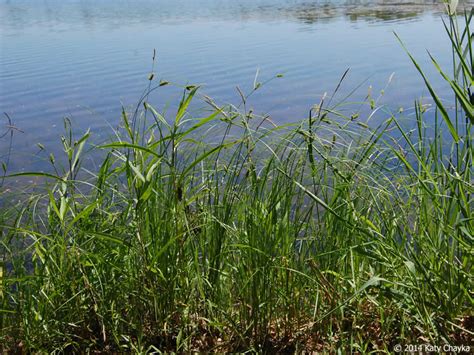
320	235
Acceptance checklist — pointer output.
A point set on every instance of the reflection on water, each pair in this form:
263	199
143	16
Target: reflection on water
22	14
383	10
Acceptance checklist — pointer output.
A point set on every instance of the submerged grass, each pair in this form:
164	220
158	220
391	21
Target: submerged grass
321	235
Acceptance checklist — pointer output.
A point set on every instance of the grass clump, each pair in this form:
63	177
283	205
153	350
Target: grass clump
320	235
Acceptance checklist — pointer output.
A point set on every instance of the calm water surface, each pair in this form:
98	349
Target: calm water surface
84	58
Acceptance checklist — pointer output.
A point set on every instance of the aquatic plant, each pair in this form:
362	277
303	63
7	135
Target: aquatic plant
227	232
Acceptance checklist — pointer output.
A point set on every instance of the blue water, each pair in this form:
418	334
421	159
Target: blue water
84	59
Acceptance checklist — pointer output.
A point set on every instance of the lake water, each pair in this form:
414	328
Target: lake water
85	58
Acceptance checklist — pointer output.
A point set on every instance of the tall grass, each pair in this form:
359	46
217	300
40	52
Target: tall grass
229	233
